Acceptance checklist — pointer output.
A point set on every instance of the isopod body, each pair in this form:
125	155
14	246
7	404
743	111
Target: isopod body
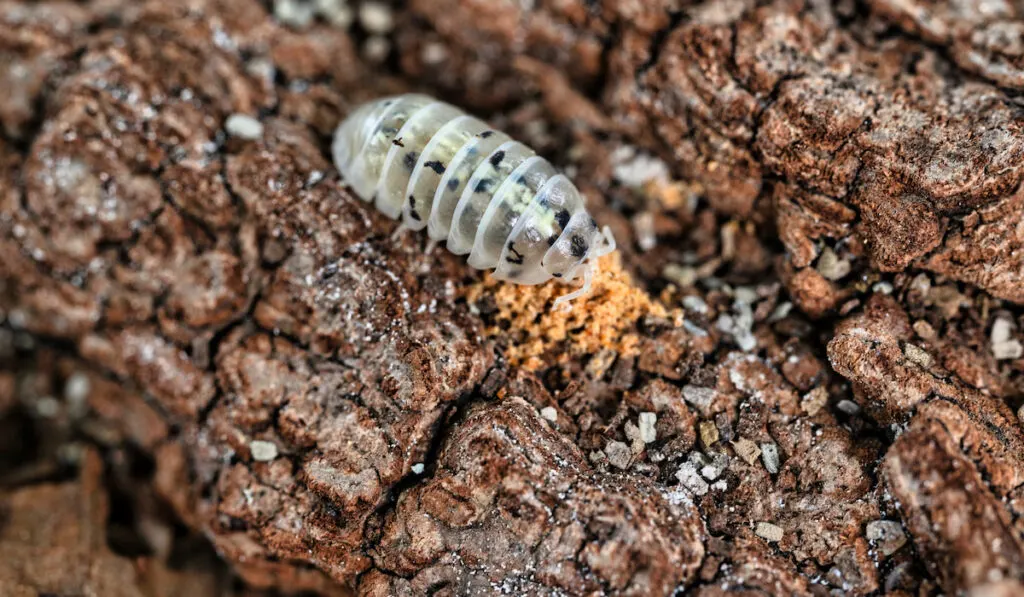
483	193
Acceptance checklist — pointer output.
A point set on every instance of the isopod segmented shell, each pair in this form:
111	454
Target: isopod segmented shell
485	194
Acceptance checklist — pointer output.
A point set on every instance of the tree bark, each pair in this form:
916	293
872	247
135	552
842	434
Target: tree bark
799	376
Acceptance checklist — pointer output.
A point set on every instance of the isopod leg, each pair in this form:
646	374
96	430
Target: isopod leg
588	276
608	244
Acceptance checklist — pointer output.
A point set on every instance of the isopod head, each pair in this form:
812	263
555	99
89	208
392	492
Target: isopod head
576	251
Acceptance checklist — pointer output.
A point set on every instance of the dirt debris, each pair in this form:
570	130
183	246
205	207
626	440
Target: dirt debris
535	332
574	528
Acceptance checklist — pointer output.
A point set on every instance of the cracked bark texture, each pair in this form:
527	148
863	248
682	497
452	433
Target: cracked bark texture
828	413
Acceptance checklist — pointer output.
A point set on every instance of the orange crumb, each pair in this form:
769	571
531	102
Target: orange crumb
604	319
672	195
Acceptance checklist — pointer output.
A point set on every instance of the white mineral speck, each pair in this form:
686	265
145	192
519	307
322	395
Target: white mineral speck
633	435
47	407
849	407
781	311
76	389
698	396
719	462
549	413
1002	330
695	304
745	295
294	13
921	283
17	318
683	276
648	433
434	53
618	454
263	451
376	48
814	401
337	12
1004	346
770	457
691	479
698	459
261	68
882	288
739	327
634	169
417	468
244	126
918	355
643	226
769	532
830	266
376	17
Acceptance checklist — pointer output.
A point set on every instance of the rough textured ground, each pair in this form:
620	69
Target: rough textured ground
804	375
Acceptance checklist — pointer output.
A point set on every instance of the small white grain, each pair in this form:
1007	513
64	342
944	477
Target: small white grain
244	126
769	532
263	451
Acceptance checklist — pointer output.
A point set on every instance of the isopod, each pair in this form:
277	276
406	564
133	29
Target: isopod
483	193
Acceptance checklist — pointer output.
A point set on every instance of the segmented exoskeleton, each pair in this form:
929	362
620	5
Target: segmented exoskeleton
483	193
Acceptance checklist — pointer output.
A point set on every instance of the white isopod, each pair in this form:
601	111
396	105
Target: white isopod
483	193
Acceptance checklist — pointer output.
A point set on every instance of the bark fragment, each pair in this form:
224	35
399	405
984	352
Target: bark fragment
508	493
956	473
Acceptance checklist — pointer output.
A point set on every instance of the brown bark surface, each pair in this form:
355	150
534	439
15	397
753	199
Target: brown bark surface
802	374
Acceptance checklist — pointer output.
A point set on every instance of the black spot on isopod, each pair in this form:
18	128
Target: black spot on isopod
578	246
563	218
453	183
483	185
412	209
486	134
557	275
516	257
496	158
521	180
410	159
593	223
436	166
398	142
